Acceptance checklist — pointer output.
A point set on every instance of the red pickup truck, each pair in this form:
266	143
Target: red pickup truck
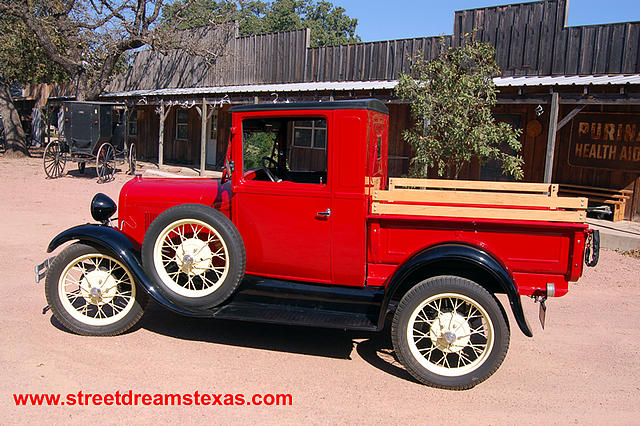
305	228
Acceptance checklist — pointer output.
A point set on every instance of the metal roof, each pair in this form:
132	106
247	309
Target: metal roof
374	85
262	88
564	80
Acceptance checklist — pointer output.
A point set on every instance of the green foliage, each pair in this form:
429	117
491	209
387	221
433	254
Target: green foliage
21	56
255	146
328	23
451	100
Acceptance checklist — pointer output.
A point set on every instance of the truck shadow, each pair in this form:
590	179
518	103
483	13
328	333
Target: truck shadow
374	348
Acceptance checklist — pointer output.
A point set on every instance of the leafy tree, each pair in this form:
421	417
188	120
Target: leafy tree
88	40
451	100
22	62
328	23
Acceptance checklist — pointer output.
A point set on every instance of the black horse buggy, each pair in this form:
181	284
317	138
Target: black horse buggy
94	132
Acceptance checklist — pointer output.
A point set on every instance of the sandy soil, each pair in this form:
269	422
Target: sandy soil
584	368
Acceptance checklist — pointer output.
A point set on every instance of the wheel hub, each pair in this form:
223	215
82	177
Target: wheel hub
450	332
194	256
98	287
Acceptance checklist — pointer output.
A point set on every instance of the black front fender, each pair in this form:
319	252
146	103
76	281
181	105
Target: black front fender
116	243
454	252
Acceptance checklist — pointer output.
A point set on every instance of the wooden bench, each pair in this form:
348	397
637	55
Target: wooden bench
477	199
613	197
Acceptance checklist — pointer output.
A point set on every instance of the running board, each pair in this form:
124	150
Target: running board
295	303
282	314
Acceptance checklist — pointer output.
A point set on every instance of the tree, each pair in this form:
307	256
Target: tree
451	100
96	34
88	40
23	63
328	23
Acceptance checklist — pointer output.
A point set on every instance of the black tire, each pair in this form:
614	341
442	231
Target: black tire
82	167
450	348
78	308
188	270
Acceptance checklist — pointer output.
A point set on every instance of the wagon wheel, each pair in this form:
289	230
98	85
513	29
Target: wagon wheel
54	160
132	159
105	163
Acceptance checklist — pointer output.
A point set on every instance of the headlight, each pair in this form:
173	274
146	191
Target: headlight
102	207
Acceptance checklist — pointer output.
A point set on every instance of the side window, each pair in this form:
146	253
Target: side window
182	124
132	125
285	149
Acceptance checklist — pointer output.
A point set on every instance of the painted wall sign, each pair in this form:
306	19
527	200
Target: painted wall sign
605	140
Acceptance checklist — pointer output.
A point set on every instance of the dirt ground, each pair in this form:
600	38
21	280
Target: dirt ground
584	368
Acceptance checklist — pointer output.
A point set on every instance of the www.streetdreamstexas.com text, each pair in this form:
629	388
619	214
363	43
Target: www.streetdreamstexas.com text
133	398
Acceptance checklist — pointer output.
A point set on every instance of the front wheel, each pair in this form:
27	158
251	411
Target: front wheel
450	333
92	293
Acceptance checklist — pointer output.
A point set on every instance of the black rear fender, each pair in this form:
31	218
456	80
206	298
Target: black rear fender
459	260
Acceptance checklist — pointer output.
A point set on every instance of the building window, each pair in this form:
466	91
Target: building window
310	134
132	124
213	127
182	124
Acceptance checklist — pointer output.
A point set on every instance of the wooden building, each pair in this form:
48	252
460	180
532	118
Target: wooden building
574	91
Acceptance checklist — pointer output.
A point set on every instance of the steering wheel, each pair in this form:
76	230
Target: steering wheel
275	165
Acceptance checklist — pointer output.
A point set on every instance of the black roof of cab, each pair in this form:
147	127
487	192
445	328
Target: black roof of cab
370	104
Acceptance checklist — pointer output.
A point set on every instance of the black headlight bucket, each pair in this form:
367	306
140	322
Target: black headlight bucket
102	207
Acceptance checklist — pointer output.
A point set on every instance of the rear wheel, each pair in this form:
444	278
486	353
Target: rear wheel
195	255
92	293
105	162
54	160
449	332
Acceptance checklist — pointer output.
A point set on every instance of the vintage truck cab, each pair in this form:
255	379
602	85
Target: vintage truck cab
306	228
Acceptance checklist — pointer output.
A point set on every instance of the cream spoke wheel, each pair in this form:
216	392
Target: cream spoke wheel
96	289
191	258
450	334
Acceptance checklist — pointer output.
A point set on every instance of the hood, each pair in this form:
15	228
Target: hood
142	199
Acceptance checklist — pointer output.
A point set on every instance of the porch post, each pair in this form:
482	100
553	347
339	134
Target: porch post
161	135
551	137
203	136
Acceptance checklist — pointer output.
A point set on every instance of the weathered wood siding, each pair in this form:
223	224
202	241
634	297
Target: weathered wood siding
533	39
530	39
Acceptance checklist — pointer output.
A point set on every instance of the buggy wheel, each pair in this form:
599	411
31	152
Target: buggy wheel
105	163
132	159
81	167
54	160
92	293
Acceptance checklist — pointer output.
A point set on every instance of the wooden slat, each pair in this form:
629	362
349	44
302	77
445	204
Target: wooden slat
472	184
466	197
593	194
484	212
620	191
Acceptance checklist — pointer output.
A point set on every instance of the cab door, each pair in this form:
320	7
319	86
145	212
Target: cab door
286	223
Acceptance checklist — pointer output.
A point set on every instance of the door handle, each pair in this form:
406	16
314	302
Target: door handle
325	213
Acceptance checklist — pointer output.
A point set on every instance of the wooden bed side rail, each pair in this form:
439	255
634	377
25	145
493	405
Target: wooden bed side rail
579	216
399	183
486	198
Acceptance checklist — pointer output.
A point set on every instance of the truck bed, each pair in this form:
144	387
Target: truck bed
537	235
477	199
